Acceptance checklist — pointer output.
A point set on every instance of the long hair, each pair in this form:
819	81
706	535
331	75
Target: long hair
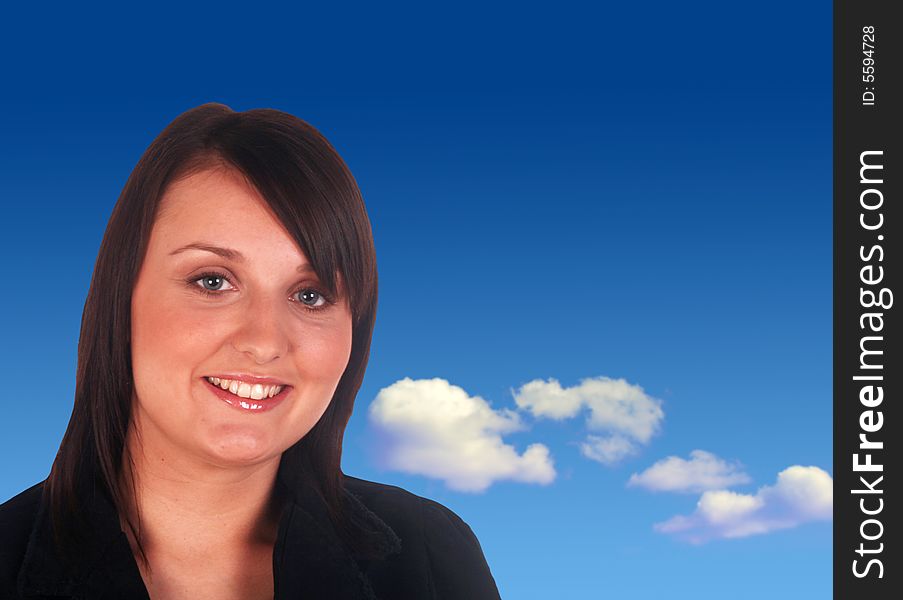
311	191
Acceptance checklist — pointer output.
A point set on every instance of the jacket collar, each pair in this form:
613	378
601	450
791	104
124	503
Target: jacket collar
309	559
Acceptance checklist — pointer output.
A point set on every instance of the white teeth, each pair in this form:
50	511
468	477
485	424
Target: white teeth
246	390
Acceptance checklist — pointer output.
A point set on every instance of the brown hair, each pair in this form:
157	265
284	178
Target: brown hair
311	191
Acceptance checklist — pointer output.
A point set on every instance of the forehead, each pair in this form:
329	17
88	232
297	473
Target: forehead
213	192
219	206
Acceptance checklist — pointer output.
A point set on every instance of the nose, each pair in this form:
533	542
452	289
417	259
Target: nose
262	334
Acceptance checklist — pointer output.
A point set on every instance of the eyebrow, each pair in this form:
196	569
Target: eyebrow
229	254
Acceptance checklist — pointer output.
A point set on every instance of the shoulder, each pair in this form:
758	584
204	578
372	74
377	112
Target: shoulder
399	507
409	513
381	497
434	539
17	516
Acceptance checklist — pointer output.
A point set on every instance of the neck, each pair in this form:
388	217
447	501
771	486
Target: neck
191	508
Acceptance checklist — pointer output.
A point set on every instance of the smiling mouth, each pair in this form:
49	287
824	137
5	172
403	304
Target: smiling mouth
248	403
255	391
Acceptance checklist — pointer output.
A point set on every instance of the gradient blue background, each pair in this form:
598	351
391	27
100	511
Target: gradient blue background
640	192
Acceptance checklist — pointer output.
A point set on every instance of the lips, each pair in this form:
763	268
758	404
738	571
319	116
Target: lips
248	378
248	404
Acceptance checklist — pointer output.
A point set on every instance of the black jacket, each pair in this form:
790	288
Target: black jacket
426	551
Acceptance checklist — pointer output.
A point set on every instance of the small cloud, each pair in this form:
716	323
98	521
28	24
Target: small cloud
607	450
704	471
625	415
801	494
433	428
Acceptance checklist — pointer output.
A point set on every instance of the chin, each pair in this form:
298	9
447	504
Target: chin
240	446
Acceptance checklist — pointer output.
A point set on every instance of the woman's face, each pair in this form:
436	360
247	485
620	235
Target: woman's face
262	315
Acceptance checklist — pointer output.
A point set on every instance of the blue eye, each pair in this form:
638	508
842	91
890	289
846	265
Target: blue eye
215	282
317	296
312	299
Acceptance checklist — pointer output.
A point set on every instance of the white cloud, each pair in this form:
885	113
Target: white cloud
607	450
801	494
622	411
431	427
704	471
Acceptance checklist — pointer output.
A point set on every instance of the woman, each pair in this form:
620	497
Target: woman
224	338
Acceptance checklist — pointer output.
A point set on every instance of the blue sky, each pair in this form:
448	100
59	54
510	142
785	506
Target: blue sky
630	193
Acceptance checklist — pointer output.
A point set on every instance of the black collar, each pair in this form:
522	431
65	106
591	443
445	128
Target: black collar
309	559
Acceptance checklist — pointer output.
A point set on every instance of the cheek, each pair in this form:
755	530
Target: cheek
322	354
166	343
321	359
